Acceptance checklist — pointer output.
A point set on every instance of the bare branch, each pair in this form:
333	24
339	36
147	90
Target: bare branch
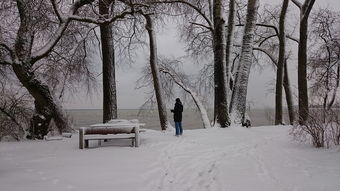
297	3
292	38
307	8
199	11
56	10
46	49
264	25
266	52
201	25
101	20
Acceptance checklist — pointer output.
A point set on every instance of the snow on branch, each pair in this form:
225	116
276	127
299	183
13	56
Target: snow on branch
65	19
166	69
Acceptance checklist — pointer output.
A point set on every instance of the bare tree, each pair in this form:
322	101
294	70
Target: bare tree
27	49
238	99
210	35
182	81
324	59
155	73
108	54
266	38
219	47
280	64
305	10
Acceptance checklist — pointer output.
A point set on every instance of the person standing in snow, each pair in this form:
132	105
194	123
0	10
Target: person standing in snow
178	109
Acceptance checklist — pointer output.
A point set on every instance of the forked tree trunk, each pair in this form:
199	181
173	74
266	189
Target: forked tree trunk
155	74
305	10
239	96
280	65
219	48
108	66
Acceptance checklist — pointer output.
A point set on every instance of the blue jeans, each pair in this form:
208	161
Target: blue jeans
179	130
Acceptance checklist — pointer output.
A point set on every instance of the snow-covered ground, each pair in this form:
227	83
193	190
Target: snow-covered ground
261	158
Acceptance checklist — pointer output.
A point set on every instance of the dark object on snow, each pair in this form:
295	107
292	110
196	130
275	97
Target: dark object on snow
246	123
178	116
178	109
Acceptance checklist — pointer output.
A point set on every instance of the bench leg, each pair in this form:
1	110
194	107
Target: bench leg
137	136
100	143
133	142
81	138
86	143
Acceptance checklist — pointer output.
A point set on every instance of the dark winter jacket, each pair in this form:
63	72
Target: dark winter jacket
178	112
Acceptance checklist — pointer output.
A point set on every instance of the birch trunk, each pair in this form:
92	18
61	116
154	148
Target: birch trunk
239	96
219	48
230	37
155	73
280	65
108	66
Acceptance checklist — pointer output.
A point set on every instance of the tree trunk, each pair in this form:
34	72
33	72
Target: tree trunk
239	96
46	106
280	65
155	73
219	48
108	66
289	97
302	61
230	37
302	74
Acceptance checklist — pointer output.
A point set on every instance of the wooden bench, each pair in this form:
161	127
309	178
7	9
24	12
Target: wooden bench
107	131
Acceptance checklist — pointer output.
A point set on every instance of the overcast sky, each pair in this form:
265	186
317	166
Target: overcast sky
261	82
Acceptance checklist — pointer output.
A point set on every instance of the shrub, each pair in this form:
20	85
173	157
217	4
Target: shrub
319	130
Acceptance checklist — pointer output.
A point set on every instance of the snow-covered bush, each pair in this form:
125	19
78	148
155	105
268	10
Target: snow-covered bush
320	131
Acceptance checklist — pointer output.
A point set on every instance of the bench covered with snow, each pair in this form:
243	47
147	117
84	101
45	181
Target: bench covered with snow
114	129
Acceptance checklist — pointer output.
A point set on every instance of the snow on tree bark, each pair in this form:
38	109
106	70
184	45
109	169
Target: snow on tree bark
239	96
219	48
230	37
155	74
46	106
108	66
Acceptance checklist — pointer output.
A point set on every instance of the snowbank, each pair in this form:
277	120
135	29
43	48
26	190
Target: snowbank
236	159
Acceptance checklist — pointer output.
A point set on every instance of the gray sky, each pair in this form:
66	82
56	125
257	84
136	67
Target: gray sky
261	82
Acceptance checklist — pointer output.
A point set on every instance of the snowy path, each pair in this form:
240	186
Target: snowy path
235	159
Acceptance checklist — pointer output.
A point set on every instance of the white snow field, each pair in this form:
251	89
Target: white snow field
235	159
